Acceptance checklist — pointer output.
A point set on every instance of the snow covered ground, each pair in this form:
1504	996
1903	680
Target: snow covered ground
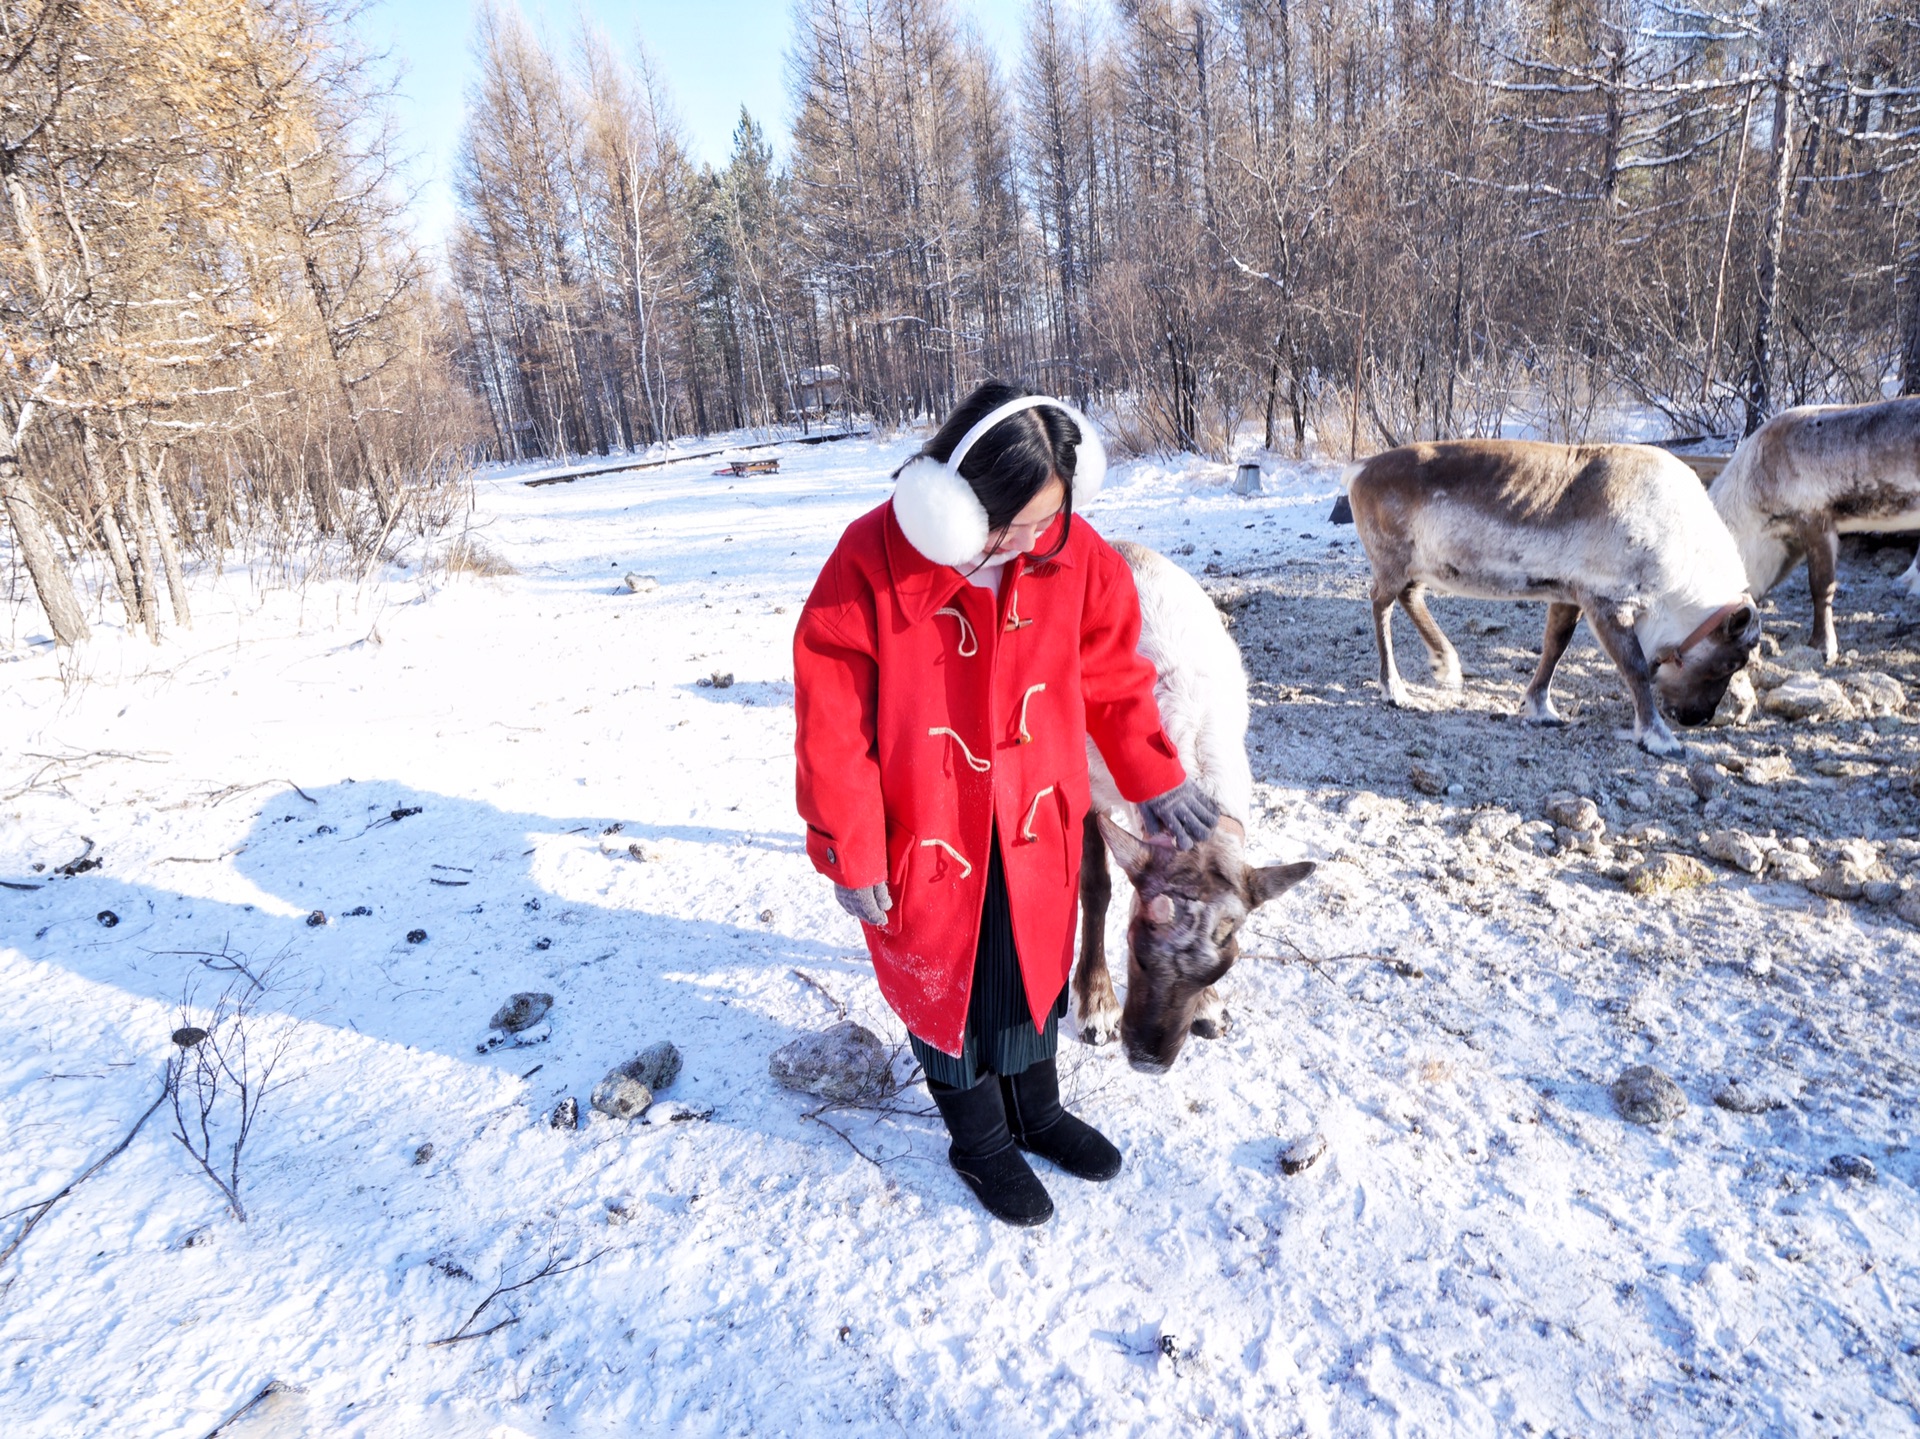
1487	1248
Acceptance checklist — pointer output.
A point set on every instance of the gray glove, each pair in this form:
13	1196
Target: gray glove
1186	813
868	904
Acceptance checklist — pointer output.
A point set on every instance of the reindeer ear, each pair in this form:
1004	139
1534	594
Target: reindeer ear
1274	881
1739	628
1134	853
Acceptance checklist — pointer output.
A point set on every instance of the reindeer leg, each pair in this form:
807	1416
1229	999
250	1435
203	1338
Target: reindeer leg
1093	999
1538	706
1446	660
1622	645
1390	685
1211	1019
1909	579
1823	566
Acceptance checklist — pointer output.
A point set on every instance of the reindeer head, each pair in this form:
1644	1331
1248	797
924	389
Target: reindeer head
1188	907
1692	676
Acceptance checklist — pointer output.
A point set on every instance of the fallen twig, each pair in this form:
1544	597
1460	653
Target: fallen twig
839	1006
548	1268
41	1209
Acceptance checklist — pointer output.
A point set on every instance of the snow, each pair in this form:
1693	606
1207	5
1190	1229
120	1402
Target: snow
1486	1247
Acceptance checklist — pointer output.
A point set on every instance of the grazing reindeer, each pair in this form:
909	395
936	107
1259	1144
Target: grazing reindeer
1810	475
1188	905
1621	535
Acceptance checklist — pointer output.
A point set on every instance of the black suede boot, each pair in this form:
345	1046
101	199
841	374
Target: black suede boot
1040	1125
983	1153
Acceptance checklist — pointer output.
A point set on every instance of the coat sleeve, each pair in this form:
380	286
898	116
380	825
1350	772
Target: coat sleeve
1116	683
836	700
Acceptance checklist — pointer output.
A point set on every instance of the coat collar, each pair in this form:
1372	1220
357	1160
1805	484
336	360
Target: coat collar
922	586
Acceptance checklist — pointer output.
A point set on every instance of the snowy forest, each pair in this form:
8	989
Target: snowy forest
1356	222
1370	220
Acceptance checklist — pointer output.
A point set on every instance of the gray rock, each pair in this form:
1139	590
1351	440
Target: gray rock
566	1114
1535	835
1574	812
656	1066
1880	892
1303	1153
423	1152
1907	906
1844	879
1737	1097
1738	705
1808	697
1636	799
1737	848
642	584
621	1096
1427	780
1853	1166
521	1011
1644	1095
1873	694
1767	769
1666	873
1791	865
847	1063
1705	778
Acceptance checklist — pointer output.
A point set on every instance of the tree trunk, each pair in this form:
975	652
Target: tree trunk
1773	242
51	583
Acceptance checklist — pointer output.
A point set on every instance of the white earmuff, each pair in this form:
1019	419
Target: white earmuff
937	509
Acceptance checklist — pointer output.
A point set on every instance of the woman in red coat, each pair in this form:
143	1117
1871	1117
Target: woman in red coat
958	649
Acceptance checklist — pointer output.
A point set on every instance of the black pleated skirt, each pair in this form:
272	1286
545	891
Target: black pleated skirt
1000	1037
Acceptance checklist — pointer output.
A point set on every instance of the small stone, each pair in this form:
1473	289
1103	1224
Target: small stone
1880	892
1647	833
521	1011
1636	799
1767	769
766	916
1739	1098
1808	697
416	936
1644	1095
1852	1166
621	1096
1666	873
1704	778
1494	824
1791	866
188	1035
108	919
641	584
1907	906
359	911
1846	879
847	1063
566	1114
1427	780
1575	812
1873	694
656	1066
721	679
1738	705
316	919
543	943
1303	1153
423	1152
1734	847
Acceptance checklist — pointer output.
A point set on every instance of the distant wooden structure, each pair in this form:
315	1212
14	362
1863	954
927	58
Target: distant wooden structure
818	388
749	467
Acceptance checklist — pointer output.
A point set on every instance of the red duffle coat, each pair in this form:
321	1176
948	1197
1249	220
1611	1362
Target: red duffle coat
928	712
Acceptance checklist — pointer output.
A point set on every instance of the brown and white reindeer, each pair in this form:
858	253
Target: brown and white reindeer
1620	535
1810	475
1188	905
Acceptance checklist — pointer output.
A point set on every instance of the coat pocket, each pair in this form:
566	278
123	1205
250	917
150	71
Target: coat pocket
901	845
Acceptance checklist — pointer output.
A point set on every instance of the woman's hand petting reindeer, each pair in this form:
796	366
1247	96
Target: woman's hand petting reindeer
1186	812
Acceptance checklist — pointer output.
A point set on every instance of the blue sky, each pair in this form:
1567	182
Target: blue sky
716	55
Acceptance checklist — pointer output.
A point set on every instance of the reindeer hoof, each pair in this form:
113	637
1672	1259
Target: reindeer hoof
1100	1028
1663	745
1542	719
1399	696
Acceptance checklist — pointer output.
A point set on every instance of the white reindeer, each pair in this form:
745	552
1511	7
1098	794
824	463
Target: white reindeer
1188	905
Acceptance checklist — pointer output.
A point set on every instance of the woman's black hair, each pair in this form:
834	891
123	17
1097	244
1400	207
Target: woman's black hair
1013	461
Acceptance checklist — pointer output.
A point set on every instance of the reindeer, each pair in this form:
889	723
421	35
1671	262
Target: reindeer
1188	906
1620	535
1810	475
